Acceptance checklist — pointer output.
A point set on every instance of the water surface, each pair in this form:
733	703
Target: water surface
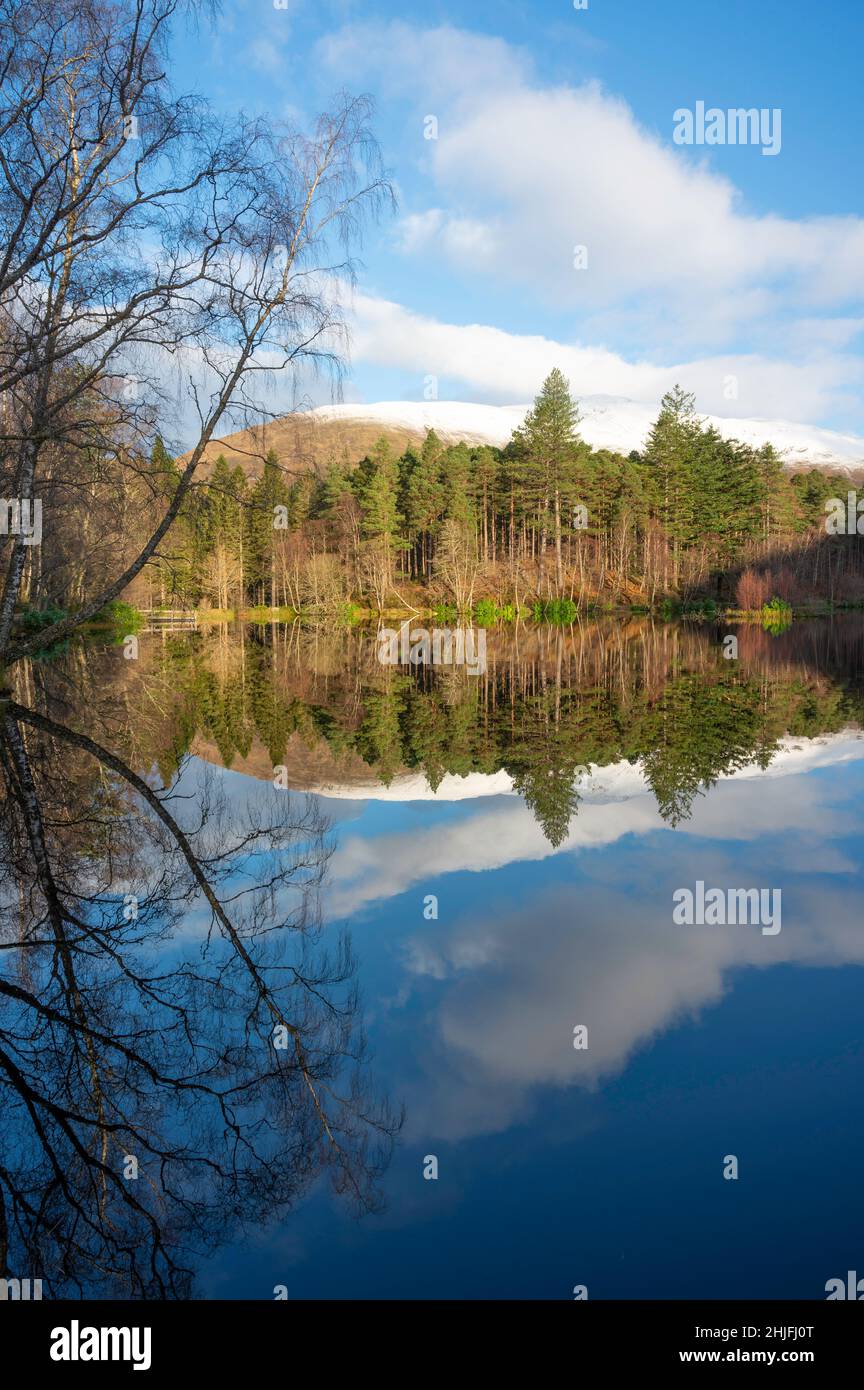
503	851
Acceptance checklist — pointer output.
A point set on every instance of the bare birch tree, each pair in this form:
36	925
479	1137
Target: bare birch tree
137	231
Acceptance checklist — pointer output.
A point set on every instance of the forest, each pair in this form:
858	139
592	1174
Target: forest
547	522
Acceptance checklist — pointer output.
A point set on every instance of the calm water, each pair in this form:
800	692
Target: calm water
504	851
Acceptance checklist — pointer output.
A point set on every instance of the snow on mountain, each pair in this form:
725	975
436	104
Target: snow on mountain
616	782
607	422
476	424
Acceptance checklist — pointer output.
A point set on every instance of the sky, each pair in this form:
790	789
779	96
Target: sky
554	220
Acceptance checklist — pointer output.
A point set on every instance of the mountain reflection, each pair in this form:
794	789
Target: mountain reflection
552	703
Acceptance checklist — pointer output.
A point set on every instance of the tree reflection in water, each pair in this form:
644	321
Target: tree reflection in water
166	1006
551	703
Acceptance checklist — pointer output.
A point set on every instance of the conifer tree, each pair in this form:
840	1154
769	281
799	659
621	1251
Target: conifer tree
780	513
457	481
550	438
378	492
268	493
379	523
486	478
667	455
425	500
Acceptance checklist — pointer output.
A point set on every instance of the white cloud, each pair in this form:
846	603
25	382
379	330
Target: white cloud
507	999
572	166
500	999
459	236
673	254
443	64
616	803
497	365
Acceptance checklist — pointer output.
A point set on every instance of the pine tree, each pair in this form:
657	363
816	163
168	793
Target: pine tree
486	478
378	494
301	495
550	439
667	455
780	513
458	486
224	531
268	493
425	500
379	518
335	486
722	508
165	477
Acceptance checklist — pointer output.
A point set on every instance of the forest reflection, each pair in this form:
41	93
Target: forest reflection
552	702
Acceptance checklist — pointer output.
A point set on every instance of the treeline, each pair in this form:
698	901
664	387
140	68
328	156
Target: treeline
543	519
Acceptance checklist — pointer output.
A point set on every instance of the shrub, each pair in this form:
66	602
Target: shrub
776	615
445	613
35	619
123	617
486	612
752	590
556	610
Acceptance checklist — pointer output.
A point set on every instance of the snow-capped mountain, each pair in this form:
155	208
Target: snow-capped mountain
619	781
607	422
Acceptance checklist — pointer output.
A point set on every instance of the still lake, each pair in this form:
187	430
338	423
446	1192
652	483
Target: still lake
504	850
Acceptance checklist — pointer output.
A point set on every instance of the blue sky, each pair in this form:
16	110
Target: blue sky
706	264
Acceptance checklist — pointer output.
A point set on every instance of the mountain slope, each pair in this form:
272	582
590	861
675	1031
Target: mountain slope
346	432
